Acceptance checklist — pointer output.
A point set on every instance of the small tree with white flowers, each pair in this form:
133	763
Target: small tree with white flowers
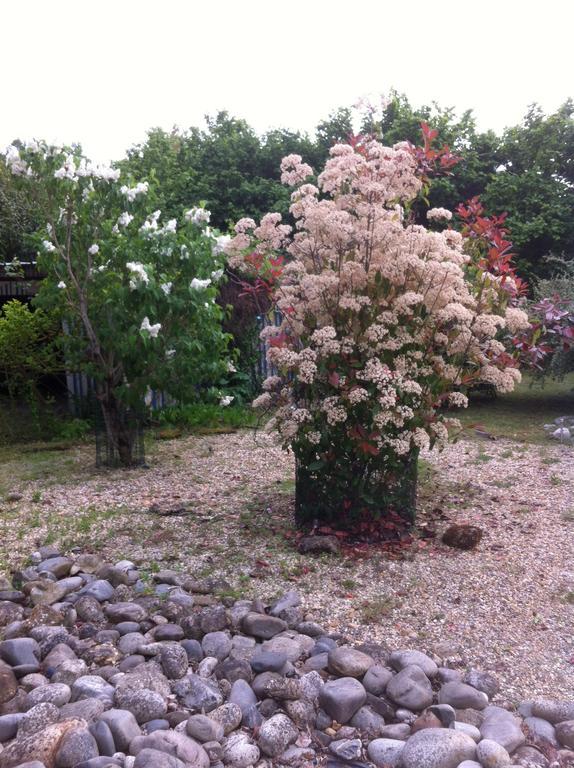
137	294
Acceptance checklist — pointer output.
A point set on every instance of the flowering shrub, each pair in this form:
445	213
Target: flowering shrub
383	322
137	294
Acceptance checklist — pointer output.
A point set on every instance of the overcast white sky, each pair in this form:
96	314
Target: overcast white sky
104	71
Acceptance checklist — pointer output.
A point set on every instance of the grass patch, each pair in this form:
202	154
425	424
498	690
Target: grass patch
521	415
205	419
372	611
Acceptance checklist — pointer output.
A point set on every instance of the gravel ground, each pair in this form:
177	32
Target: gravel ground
507	607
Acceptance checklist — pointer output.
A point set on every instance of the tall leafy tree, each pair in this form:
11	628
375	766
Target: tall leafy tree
135	290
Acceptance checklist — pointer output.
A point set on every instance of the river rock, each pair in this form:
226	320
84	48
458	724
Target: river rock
123	725
77	746
263	626
401	659
42	745
565	733
276	734
8	683
239	751
462	696
203	728
437	748
410	688
172	743
342	698
348	662
501	726
490	754
386	753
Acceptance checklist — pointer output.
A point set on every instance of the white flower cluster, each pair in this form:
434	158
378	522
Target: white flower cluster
13	160
141	188
139	274
93	249
48	246
220	243
124	219
199	285
150	224
198	216
85	169
226	400
152	330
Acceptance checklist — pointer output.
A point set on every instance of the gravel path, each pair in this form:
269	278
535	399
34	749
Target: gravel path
507	607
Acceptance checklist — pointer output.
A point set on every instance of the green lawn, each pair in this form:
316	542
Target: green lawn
522	414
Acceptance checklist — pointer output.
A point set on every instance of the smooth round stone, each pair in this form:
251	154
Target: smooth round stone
490	754
462	696
541	729
207	666
8	683
482	681
123	726
268	661
77	746
342	698
263	626
174	743
168	632
401	659
396	731
368	722
9	726
156	725
193	649
447	675
548	709
565	733
470	730
37	718
349	662
376	679
104	739
346	749
410	688
144	704
276	734
125	611
125	627
234	669
501	726
243	695
131	642
130	662
107	636
229	716
323	645
56	693
204	728
92	687
216	644
386	753
101	590
437	748
239	751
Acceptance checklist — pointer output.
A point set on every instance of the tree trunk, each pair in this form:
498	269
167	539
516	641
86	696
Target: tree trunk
119	435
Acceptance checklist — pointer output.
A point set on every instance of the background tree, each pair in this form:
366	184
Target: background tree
137	295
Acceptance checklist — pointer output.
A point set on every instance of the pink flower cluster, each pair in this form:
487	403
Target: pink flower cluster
383	320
